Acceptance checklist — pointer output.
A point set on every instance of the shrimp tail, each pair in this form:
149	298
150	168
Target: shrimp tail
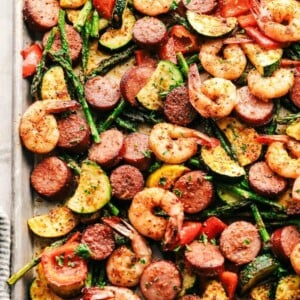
208	141
172	237
115	223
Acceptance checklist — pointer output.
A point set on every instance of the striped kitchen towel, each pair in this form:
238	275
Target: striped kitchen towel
4	255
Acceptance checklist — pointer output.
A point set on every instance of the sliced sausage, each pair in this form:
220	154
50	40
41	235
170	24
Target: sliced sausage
160	280
204	258
133	80
74	40
295	258
264	181
74	134
194	191
100	240
101	93
200	6
41	15
126	181
149	32
137	151
108	152
284	240
51	178
252	110
240	242
295	91
152	8
177	107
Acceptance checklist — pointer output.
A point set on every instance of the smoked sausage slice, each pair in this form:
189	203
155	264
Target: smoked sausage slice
51	178
41	15
200	6
74	134
240	242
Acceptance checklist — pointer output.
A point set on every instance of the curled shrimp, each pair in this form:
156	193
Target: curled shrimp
280	161
124	266
142	217
213	98
175	144
278	19
229	66
38	127
274	86
109	293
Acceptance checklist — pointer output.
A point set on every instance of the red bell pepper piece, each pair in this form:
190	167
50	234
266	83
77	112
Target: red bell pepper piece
230	281
212	227
234	8
189	231
32	55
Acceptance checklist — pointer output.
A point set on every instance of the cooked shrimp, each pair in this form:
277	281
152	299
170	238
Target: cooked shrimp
279	160
38	128
152	7
275	86
213	98
279	19
229	66
175	144
109	292
142	217
124	266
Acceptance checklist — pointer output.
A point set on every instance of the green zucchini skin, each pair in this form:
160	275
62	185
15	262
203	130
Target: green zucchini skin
260	268
118	12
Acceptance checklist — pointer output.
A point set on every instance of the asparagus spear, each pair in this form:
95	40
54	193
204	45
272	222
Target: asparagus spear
112	117
63	36
95	25
80	93
107	64
289	118
85	44
126	124
42	65
83	15
260	224
184	67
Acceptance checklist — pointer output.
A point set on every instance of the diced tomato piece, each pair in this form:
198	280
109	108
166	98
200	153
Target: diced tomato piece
212	227
289	63
261	39
32	55
105	7
234	8
190	230
270	138
230	281
247	20
167	51
64	271
184	40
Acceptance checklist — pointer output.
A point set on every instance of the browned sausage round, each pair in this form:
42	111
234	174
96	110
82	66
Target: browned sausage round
160	280
41	15
100	240
137	151
149	32
200	6
264	181
51	178
177	107
295	91
133	80
109	151
74	40
252	110
102	93
284	240
74	134
126	181
204	258
240	242
194	191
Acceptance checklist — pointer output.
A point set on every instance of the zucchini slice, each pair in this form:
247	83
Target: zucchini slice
118	13
221	164
288	288
71	3
54	85
293	130
93	190
211	26
257	270
166	176
214	290
262	292
39	290
117	38
58	222
227	196
242	139
166	76
265	61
